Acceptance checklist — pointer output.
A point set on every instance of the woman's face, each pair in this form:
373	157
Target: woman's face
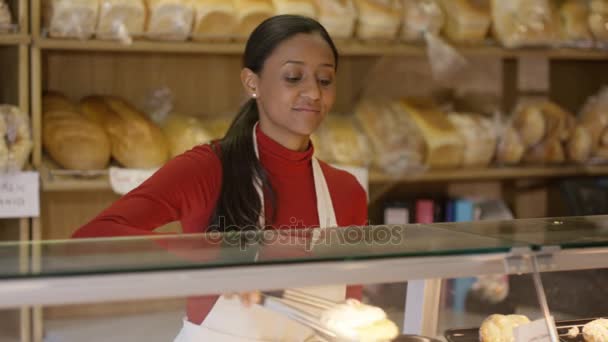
296	87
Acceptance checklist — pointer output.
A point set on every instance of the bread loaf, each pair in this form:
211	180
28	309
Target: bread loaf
479	136
420	17
136	142
530	123
70	139
500	327
121	19
338	17
580	145
70	19
444	146
468	21
215	20
510	149
16	138
574	27
594	117
598	21
341	142
305	8
169	19
183	132
378	19
519	23
5	17
250	14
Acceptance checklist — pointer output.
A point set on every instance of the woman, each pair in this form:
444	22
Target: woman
261	174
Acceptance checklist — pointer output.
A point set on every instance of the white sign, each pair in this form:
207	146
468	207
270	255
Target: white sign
19	195
536	331
125	180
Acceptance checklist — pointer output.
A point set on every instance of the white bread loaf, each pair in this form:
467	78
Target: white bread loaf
338	17
70	18
520	23
379	19
305	8
250	14
479	136
121	19
420	17
341	142
468	21
169	19
444	145
215	20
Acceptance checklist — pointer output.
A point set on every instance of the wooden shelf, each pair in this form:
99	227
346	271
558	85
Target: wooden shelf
347	48
52	182
14	39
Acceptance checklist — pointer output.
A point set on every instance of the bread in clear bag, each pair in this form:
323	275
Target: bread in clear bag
5	17
215	20
169	19
338	17
378	19
575	31
250	14
598	21
15	139
594	117
305	8
70	18
341	142
121	20
479	136
420	17
467	21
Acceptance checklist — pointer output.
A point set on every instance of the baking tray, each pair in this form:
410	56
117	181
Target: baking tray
472	334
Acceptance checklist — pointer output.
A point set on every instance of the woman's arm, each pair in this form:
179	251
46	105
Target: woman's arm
185	189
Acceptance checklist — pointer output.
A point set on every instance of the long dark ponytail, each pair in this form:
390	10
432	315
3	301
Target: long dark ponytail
239	205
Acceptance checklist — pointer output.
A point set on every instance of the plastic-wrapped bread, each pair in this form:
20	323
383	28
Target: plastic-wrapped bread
250	14
338	17
598	21
574	28
169	19
479	136
510	149
468	21
397	145
305	8
5	17
121	19
378	19
183	132
342	142
500	327
444	145
530	123
580	145
72	140
519	23
70	18
136	142
16	139
420	17
214	20
594	117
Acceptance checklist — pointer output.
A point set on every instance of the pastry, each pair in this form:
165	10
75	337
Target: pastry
70	19
378	19
250	14
121	19
338	17
420	17
499	328
16	138
215	20
520	23
468	21
596	330
169	19
359	322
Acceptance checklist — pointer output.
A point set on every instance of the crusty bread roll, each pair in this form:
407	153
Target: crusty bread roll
70	19
574	26
598	20
499	328
378	19
136	142
305	8
250	14
70	139
479	136
215	20
16	138
169	19
338	17
184	132
468	21
510	148
580	145
420	17
596	330
5	17
121	19
519	23
530	123
444	145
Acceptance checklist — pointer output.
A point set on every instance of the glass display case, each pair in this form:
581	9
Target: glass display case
441	281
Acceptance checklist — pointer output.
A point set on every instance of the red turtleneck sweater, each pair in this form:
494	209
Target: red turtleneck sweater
187	187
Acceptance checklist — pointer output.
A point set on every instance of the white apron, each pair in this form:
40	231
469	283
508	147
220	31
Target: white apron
230	321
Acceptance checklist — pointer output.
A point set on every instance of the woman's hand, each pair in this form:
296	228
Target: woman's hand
248	299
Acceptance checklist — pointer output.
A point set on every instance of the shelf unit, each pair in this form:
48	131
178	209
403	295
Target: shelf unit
14	90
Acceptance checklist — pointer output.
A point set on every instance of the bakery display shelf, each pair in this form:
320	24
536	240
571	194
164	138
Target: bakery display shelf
14	39
347	48
492	173
54	178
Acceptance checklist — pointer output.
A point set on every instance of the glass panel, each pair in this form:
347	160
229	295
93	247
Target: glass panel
88	256
570	232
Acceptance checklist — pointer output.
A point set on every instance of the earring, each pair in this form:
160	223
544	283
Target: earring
254	95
